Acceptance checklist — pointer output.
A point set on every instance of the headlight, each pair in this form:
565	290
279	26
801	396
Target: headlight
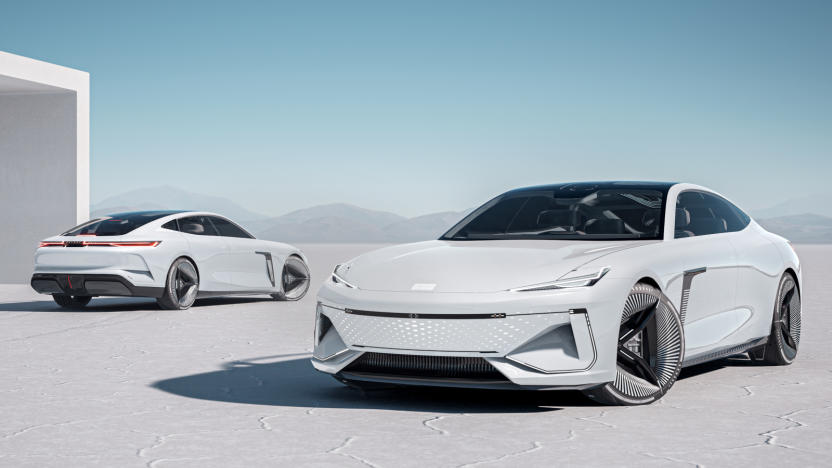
573	279
337	279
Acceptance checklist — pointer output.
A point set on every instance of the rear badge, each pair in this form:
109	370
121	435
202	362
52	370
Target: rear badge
423	287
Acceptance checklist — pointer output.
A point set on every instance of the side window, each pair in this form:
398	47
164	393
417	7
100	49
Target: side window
228	229
701	214
197	225
173	225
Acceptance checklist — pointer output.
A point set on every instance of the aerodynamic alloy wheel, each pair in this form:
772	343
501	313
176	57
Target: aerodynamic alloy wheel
181	287
294	280
71	302
784	340
650	350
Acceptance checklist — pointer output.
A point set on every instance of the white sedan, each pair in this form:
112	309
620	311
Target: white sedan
608	287
173	256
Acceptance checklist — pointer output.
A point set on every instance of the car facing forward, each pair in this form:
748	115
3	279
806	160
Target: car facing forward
606	287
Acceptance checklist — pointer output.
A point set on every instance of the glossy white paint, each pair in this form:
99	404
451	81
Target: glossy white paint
730	303
225	264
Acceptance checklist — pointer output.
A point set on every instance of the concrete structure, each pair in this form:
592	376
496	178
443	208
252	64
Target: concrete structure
44	157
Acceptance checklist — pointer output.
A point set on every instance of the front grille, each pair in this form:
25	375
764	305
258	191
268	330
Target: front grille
444	367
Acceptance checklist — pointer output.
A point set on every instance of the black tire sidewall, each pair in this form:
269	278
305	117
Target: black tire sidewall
169	299
608	393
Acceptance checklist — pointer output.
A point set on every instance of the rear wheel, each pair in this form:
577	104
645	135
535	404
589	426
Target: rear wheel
181	287
784	339
649	353
71	302
294	280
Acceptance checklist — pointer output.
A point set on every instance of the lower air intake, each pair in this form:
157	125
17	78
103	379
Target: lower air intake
444	367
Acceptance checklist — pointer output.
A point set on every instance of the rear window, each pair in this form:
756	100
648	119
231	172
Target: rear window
115	225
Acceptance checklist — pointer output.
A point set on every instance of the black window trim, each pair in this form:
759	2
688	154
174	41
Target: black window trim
208	217
715	195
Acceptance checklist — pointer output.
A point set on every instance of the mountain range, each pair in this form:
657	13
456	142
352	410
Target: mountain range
344	223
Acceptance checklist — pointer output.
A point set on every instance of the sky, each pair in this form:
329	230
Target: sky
418	107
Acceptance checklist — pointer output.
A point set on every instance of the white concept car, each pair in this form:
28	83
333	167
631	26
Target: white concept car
174	256
610	288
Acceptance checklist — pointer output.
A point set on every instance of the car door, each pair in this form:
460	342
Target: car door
210	251
251	265
708	274
759	266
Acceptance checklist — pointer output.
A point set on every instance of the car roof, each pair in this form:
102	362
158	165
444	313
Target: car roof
158	213
601	185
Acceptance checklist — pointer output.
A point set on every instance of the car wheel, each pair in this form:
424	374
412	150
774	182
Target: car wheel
650	350
784	340
294	280
71	302
181	286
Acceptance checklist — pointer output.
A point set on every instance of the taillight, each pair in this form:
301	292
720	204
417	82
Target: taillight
101	244
51	244
121	243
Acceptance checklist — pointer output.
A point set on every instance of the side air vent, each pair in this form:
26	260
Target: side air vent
444	367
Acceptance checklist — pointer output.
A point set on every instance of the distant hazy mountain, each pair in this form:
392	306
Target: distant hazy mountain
818	204
171	198
425	227
336	222
347	223
802	228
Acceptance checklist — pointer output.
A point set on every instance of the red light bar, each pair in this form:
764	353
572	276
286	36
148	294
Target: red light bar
51	244
105	244
121	243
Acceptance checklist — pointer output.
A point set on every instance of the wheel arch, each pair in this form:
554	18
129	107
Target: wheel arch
190	259
649	280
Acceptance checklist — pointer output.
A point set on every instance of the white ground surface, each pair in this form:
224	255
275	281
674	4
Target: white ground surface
228	383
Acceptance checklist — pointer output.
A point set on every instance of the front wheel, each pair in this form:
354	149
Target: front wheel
294	280
181	286
71	302
784	339
650	350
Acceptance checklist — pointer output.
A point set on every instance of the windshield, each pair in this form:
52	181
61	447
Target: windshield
566	213
117	224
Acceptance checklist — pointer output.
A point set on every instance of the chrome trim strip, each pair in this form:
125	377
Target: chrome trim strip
331	355
423	350
687	281
369	313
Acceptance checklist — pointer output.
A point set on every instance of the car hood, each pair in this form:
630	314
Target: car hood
473	266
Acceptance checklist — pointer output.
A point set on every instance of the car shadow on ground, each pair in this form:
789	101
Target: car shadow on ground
277	381
120	304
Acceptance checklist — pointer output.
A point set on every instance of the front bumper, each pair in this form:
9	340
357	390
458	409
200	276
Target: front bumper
90	285
544	339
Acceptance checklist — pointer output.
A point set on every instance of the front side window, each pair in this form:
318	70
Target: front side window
197	225
702	214
115	225
228	229
601	213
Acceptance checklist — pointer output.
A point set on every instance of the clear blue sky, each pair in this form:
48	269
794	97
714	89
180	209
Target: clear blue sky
432	106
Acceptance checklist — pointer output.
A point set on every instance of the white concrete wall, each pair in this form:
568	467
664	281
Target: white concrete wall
44	157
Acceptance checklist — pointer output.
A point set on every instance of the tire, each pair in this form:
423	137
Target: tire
784	340
71	302
294	280
181	286
651	347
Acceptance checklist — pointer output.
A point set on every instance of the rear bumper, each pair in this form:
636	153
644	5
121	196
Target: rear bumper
90	285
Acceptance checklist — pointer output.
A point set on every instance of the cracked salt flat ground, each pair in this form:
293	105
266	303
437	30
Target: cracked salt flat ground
228	383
